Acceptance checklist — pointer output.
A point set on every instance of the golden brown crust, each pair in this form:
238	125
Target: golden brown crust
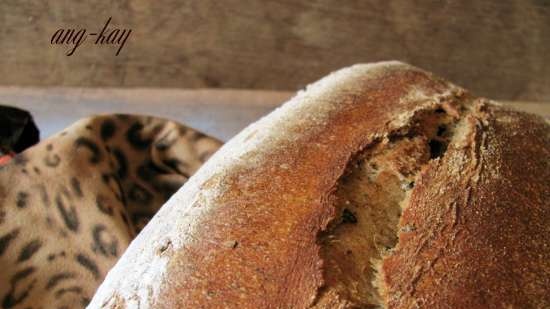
243	232
276	212
481	221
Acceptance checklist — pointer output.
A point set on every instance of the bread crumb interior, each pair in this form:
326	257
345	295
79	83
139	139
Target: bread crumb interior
369	199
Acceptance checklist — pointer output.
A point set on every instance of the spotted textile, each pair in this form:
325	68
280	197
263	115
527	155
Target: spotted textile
70	205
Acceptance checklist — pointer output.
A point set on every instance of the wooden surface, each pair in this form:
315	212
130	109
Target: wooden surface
498	49
220	113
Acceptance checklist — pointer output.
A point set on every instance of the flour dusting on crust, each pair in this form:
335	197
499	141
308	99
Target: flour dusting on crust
135	280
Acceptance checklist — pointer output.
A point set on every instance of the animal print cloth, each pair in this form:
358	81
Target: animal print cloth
70	205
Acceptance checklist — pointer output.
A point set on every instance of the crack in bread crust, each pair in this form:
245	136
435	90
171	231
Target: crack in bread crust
369	198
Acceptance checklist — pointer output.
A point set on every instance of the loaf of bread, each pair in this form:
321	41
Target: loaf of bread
379	186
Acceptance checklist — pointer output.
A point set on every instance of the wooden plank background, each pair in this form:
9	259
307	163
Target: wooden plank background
218	112
499	49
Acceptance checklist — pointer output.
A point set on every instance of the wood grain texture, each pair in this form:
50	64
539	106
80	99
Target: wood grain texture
498	49
221	113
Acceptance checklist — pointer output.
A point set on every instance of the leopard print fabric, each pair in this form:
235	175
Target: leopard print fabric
70	205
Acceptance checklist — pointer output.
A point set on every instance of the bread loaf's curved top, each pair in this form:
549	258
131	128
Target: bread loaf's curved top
244	231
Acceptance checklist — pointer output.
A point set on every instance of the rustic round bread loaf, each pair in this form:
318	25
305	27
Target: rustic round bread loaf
379	186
